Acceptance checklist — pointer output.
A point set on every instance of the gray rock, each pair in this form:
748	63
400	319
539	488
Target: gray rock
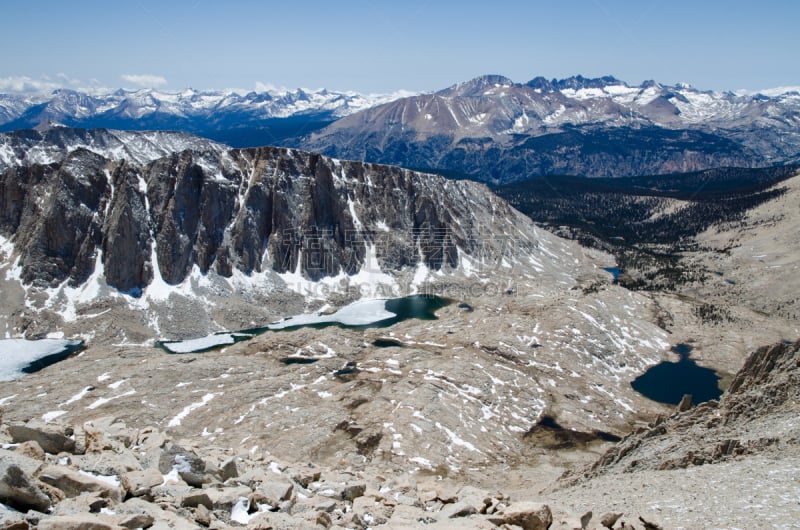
228	470
52	439
13	522
202	515
107	462
649	525
369	512
304	476
141	520
685	404
191	468
78	522
196	498
527	515
275	521
73	483
316	504
610	519
272	492
18	488
225	498
459	509
140	483
405	516
162	519
31	449
81	504
572	521
289	201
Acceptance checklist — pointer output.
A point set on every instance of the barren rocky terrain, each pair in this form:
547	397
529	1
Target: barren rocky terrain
518	392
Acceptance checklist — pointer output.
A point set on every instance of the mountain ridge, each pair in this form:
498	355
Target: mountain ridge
500	131
149	214
249	119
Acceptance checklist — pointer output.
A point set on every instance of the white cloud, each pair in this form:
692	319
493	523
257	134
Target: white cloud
271	88
20	84
144	80
769	92
26	85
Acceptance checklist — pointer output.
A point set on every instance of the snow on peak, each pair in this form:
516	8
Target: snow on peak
69	105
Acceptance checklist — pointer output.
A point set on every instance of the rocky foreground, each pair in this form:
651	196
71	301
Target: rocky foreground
105	475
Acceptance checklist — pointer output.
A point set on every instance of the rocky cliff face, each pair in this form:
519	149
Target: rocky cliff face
248	210
88	212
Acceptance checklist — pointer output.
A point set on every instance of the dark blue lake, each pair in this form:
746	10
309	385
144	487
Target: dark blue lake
667	381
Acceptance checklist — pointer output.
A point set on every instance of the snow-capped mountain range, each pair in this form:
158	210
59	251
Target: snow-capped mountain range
490	127
495	129
202	112
69	104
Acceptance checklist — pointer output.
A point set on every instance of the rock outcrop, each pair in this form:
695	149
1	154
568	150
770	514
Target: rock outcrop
105	208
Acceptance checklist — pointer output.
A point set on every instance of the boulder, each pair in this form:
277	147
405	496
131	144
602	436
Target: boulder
82	504
51	438
527	515
275	521
13	523
649	525
135	508
609	519
190	467
458	509
405	516
140	520
31	449
78	522
353	491
685	404
74	483
116	462
369	512
228	470
18	488
202	515
571	521
227	497
305	476
313	504
272	492
140	483
195	498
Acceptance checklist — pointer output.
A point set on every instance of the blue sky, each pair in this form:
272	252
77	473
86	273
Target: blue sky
375	46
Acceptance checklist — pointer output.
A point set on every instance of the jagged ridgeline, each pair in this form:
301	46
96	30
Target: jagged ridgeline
498	131
145	207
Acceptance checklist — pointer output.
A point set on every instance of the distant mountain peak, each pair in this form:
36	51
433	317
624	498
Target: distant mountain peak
477	85
496	130
576	82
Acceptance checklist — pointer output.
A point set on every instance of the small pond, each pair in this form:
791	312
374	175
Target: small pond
361	315
615	272
667	381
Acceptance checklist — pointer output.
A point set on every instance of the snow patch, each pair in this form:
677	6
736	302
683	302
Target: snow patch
17	354
176	421
361	313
